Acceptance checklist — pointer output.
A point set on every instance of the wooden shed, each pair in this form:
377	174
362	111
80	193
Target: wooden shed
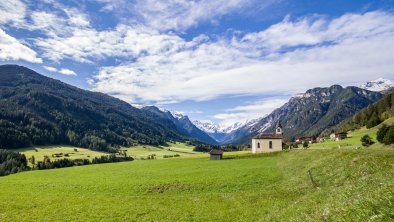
340	136
216	154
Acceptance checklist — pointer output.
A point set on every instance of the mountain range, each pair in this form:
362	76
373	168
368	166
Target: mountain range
306	114
310	114
182	123
378	85
37	110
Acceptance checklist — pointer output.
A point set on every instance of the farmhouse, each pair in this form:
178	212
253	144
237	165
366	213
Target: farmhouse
216	154
340	136
309	139
268	142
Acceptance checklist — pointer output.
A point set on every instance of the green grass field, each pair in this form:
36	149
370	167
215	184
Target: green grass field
137	152
142	151
350	185
40	151
354	138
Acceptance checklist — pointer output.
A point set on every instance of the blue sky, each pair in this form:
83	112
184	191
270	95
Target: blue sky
219	60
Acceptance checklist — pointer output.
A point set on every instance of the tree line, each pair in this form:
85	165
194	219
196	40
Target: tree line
371	116
14	162
202	147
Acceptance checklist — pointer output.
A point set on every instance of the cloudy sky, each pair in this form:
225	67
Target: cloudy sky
219	60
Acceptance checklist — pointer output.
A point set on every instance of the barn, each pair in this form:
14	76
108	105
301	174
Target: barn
216	154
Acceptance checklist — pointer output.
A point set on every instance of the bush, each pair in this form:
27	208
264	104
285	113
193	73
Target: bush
381	133
366	140
385	135
305	145
389	137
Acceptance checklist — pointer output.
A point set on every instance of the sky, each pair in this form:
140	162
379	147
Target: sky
225	61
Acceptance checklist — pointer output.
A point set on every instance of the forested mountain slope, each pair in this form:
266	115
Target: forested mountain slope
183	125
38	110
311	113
370	116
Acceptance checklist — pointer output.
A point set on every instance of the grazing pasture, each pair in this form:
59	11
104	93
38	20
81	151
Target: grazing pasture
298	185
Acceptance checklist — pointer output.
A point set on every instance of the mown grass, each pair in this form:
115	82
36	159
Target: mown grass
349	185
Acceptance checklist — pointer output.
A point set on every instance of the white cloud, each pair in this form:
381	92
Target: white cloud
86	44
61	71
67	72
12	49
309	31
12	12
51	69
350	49
251	111
179	14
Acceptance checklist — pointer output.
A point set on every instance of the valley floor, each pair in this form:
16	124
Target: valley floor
300	185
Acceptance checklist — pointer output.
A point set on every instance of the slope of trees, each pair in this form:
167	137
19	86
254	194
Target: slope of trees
12	162
385	135
370	116
37	110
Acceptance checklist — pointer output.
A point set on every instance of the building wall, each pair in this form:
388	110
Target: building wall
216	157
264	145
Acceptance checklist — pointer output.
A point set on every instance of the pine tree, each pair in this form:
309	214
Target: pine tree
389	136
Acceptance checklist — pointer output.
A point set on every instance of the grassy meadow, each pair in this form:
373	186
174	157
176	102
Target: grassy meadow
67	152
142	151
346	185
353	142
138	152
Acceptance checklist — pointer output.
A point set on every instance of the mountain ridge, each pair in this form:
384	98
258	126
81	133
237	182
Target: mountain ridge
183	124
38	110
310	113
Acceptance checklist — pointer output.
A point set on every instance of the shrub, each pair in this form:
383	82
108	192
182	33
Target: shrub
366	140
389	136
381	133
305	145
385	134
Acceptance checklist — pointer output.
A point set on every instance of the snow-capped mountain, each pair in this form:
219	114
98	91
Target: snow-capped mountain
175	114
208	126
221	133
182	123
212	127
378	85
309	113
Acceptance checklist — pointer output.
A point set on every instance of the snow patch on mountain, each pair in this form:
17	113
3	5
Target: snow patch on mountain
176	114
212	127
378	85
208	126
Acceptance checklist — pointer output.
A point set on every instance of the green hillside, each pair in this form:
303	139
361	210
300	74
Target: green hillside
37	110
65	152
311	114
354	137
370	116
348	185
